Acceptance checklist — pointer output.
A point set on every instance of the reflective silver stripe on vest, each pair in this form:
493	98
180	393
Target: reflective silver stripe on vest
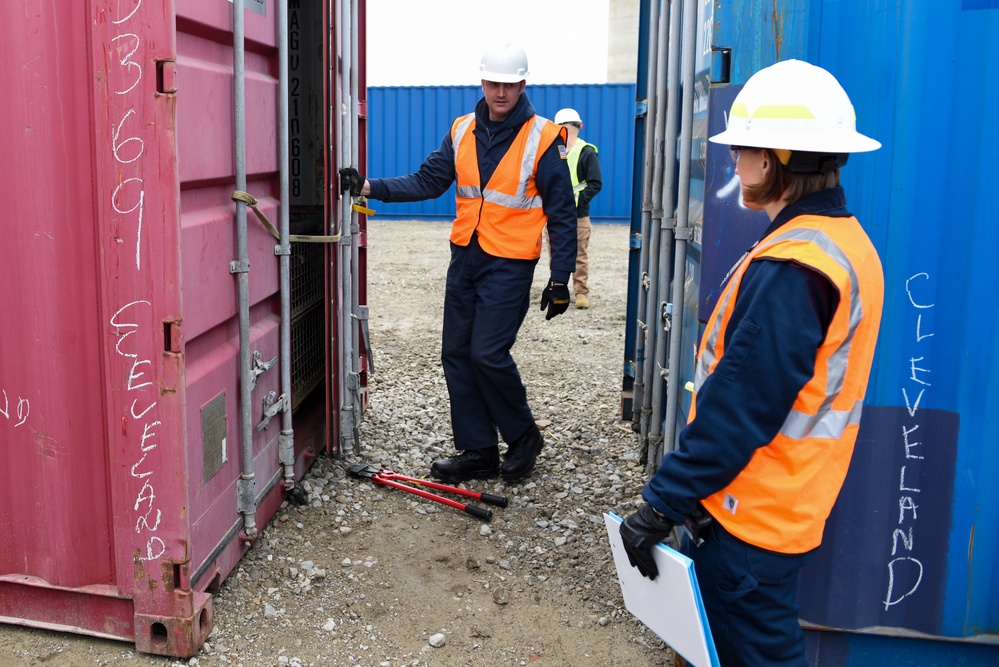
708	356
826	423
463	191
520	200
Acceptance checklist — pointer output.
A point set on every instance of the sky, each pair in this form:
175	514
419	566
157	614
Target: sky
440	42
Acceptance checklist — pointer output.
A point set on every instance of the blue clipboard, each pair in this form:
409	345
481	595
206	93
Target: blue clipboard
670	606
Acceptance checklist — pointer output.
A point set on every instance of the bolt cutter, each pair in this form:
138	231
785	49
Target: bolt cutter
395	480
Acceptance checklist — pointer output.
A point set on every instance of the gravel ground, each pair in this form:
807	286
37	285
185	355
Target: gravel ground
372	576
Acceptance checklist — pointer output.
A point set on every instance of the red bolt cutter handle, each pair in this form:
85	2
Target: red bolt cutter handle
477	512
499	501
389	478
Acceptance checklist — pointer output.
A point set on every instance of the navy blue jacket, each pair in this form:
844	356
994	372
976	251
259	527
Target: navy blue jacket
437	173
742	404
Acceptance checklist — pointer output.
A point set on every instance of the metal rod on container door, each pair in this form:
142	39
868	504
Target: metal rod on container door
355	248
683	220
659	248
246	503
335	124
659	278
653	117
345	314
286	441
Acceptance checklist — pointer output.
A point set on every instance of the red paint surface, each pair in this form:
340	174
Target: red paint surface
120	313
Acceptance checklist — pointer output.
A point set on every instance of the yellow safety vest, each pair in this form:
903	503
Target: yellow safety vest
573	159
780	501
507	212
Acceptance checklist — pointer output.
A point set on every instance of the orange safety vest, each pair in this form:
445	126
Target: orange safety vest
780	501
507	213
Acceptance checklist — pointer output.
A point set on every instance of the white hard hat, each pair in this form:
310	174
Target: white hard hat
506	63
795	106
567	116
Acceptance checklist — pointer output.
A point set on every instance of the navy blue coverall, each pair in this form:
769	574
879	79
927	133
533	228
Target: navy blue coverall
487	297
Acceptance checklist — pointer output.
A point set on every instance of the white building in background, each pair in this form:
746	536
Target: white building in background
622	41
439	42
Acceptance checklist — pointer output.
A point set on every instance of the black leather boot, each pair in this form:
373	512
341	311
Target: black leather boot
468	464
522	454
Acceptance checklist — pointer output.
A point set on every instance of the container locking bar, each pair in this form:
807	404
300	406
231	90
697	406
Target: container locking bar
250	200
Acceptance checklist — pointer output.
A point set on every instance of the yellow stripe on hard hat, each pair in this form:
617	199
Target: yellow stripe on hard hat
738	110
799	111
783	111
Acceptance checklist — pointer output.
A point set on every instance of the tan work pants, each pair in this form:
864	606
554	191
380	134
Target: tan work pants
582	260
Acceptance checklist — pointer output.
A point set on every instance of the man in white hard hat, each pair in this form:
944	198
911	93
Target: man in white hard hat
781	372
584	169
508	165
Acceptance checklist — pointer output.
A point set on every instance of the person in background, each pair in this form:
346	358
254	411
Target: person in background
508	164
781	373
584	169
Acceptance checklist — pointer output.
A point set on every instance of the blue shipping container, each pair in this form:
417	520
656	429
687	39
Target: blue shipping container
405	124
908	563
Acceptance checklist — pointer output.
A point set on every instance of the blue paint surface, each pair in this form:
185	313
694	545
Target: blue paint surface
882	562
924	79
405	124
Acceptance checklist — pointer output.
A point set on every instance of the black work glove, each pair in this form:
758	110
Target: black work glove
351	179
555	298
640	532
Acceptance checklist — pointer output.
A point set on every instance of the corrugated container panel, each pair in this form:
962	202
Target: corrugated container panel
912	545
120	417
405	124
52	328
211	327
926	85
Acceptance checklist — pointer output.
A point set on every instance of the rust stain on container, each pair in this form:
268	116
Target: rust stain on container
47	445
778	22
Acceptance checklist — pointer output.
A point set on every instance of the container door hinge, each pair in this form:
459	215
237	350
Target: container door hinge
721	65
172	336
166	81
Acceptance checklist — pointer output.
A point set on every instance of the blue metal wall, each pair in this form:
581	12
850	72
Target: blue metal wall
406	123
913	543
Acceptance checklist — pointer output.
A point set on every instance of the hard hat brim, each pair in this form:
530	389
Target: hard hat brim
498	77
832	141
567	115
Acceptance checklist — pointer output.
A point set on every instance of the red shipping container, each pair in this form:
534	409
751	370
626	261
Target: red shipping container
150	358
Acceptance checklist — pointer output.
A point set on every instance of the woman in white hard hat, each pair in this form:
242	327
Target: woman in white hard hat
781	372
